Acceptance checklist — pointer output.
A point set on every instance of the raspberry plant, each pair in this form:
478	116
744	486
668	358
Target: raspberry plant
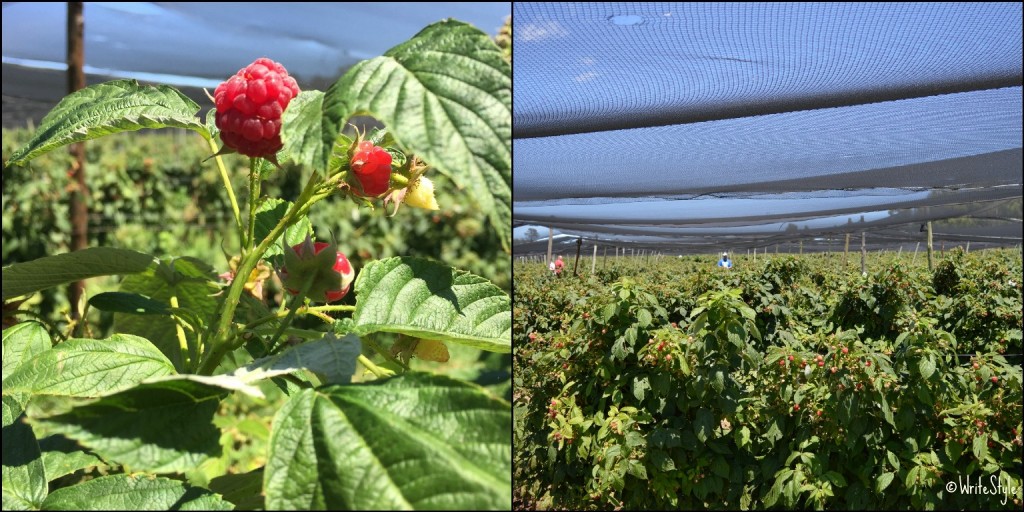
141	402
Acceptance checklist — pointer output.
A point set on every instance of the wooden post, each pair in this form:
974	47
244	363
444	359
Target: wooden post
593	261
968	247
846	252
912	260
579	244
551	238
801	246
863	252
604	258
78	189
900	252
930	263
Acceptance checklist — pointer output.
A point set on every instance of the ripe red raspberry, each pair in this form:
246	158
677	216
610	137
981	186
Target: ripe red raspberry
340	278
372	167
249	107
796	407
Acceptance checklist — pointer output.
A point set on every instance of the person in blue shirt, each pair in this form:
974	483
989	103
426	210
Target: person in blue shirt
725	261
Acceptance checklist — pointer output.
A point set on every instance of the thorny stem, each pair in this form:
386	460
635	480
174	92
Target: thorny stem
221	332
254	196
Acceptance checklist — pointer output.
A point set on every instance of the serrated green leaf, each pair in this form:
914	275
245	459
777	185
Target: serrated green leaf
134	492
33	276
58	464
191	281
426	299
24	476
163	426
302	130
458	120
131	303
108	108
90	368
268	214
416	441
662	461
21	343
331	357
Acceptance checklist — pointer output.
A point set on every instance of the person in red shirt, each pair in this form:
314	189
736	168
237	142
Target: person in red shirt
558	266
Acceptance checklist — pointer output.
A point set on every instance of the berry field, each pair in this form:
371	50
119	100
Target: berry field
789	382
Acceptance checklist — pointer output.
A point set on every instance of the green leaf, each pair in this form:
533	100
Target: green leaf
643	318
58	464
883	481
268	214
191	281
50	271
926	366
980	447
444	95
134	492
244	490
108	108
416	441
131	303
90	368
162	426
332	358
21	343
302	130
637	469
703	425
24	477
662	461
425	299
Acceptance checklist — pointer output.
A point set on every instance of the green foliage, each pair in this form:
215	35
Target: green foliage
411	442
425	299
458	121
109	108
184	386
678	385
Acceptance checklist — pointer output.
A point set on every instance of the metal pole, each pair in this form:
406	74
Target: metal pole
912	260
593	261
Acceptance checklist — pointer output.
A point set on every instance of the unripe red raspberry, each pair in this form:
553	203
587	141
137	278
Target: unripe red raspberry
249	107
330	284
372	167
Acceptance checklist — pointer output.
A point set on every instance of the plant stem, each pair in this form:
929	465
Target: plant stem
229	188
376	370
187	350
220	332
254	196
296	302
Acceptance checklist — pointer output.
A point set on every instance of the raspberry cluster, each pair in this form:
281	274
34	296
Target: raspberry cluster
372	167
249	107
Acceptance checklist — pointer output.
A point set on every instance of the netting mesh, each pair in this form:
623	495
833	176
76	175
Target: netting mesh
699	125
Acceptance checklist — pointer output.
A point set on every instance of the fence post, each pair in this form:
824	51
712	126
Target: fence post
863	252
930	263
593	261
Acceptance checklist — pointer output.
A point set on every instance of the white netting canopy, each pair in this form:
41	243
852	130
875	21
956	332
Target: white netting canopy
698	127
